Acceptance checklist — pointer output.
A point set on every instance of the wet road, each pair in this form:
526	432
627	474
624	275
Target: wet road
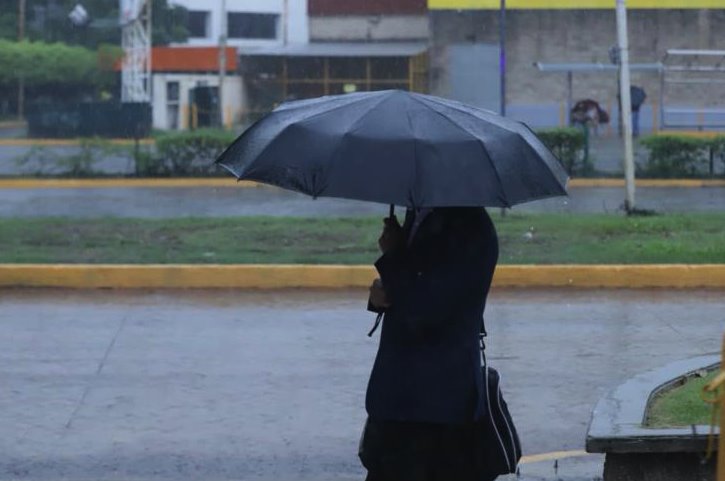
224	202
221	385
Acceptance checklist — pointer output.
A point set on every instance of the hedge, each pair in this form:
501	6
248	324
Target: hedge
568	145
673	156
185	153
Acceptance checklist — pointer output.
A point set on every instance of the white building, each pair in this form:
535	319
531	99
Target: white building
186	88
250	23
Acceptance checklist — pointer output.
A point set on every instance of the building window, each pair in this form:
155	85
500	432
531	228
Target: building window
198	24
252	25
172	105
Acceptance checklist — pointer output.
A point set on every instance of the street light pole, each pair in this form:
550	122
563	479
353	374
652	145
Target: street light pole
21	80
625	104
502	55
222	59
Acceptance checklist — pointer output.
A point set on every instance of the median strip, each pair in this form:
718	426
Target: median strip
256	276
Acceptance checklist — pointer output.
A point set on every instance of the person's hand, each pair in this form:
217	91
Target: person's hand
392	236
378	298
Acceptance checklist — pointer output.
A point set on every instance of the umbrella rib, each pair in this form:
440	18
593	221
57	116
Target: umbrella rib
354	126
512	130
415	158
504	198
284	129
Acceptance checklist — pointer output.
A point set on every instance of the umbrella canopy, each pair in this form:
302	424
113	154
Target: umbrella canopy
399	148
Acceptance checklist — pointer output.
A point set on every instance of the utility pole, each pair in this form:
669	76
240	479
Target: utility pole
502	55
625	104
285	22
222	59
502	65
21	79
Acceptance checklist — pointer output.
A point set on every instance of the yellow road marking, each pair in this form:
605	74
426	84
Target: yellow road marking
536	458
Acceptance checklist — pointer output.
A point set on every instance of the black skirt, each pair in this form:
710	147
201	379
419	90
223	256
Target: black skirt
411	451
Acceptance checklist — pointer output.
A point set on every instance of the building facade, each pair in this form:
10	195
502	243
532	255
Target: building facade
368	20
250	23
579	32
185	82
355	45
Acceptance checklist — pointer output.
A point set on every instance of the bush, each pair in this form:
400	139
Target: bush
568	145
676	156
190	153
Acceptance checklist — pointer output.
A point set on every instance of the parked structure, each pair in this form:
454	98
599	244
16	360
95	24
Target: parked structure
185	85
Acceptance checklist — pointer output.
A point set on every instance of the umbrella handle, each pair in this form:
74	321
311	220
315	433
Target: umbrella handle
392	210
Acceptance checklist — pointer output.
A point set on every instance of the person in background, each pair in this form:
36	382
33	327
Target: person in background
637	98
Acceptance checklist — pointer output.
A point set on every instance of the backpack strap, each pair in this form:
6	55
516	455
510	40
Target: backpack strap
377	323
481	340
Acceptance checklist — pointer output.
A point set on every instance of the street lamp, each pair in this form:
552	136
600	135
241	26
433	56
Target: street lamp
502	55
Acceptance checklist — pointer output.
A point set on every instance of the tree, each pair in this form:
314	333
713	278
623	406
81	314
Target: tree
47	21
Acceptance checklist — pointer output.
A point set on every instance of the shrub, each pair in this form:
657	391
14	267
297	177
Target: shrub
190	153
675	155
568	145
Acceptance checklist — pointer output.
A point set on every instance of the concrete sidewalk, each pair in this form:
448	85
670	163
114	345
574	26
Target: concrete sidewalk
221	385
164	202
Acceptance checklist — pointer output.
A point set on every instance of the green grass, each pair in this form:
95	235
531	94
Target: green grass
568	239
682	406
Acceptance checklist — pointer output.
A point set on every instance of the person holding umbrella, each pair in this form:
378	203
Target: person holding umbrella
425	388
445	161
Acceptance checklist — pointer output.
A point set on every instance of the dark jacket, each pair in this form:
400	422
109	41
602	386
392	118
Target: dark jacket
428	366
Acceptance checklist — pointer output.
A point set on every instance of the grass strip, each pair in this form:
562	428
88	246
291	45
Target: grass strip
524	239
682	405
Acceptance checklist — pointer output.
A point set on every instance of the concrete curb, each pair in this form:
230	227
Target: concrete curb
180	276
216	182
66	142
617	424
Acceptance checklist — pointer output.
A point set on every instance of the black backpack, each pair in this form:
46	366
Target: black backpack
498	449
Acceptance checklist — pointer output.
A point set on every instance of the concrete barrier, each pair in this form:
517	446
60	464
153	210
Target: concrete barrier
254	276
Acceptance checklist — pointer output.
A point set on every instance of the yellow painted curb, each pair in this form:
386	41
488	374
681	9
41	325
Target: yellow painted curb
575	183
122	183
691	133
217	182
65	142
676	276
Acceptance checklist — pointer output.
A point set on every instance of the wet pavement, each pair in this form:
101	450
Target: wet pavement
239	201
221	385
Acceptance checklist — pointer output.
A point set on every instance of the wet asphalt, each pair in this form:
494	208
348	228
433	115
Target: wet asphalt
164	202
222	385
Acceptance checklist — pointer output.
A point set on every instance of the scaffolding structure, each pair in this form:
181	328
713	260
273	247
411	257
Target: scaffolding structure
136	44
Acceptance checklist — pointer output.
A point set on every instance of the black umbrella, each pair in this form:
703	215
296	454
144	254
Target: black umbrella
399	148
